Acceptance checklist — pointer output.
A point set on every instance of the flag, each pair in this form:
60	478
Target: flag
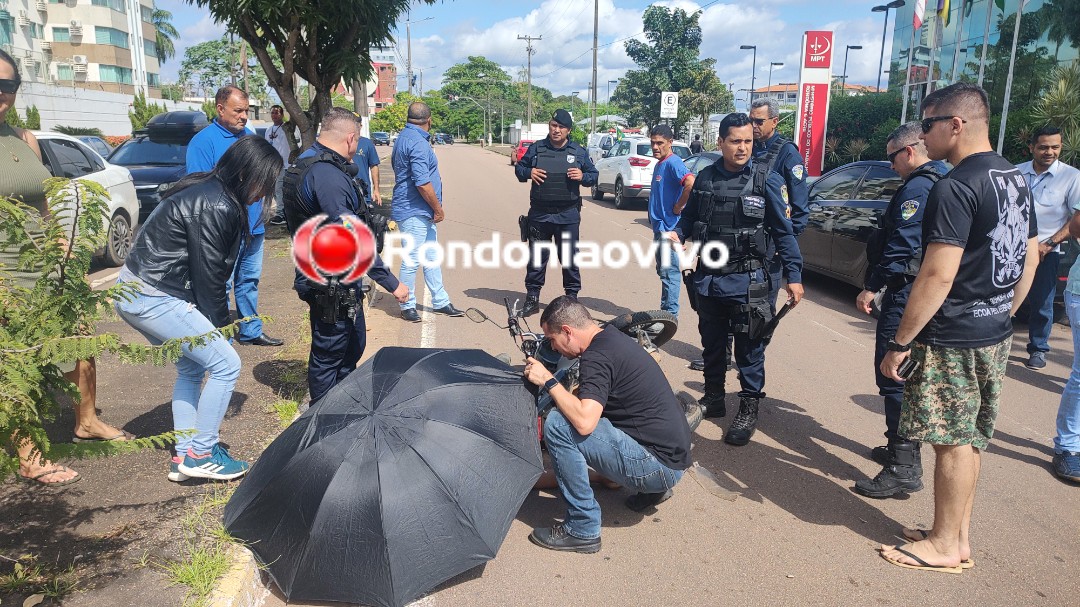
920	11
944	11
619	133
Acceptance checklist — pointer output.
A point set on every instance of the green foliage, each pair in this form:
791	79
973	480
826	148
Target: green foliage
210	109
75	131
33	118
1060	106
706	94
867	117
172	92
213	64
165	33
141	111
13	118
391	118
52	321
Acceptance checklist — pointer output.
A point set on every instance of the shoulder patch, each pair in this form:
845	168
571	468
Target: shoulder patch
908	209
798	171
570	159
784	193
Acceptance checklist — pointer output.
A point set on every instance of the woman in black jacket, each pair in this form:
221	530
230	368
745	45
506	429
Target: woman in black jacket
181	260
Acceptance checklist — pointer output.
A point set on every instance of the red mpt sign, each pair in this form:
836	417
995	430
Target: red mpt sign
818	51
810	137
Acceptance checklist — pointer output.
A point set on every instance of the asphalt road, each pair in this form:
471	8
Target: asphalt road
781	525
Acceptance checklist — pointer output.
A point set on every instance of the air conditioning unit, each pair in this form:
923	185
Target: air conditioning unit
28	54
79	68
79	59
23	20
46	45
76	28
42	6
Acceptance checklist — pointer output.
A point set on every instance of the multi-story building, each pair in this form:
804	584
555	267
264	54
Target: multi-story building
105	45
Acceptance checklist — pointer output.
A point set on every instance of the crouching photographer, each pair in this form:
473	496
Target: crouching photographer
321	182
624	422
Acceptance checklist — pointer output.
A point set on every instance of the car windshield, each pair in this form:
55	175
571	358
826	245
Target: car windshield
381	134
681	151
143	151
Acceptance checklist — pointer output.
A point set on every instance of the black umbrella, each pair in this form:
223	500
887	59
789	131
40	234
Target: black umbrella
404	475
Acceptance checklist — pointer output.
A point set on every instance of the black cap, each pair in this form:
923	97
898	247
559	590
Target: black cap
564	118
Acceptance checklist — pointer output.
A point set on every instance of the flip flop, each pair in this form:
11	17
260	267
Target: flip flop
122	437
923	534
922	565
36	479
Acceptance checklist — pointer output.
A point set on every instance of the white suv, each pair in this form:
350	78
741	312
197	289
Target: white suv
627	169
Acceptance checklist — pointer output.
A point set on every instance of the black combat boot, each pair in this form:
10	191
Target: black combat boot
532	305
712	404
901	474
742	427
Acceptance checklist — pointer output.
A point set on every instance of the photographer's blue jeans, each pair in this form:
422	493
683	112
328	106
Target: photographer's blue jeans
195	407
610	452
1068	416
1040	302
422	230
670	275
245	280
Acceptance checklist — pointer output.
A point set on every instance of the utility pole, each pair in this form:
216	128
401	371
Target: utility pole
528	77
408	43
244	65
595	36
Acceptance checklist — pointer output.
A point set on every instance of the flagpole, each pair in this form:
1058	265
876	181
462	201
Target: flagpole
986	39
907	80
959	37
934	44
1009	79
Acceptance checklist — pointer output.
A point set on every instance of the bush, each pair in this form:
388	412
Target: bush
33	118
141	111
75	131
116	140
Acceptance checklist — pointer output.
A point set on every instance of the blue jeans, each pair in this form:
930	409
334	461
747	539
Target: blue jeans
245	280
670	276
1040	301
422	230
1068	417
195	407
610	452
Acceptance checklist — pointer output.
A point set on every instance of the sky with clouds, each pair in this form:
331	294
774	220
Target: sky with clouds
451	30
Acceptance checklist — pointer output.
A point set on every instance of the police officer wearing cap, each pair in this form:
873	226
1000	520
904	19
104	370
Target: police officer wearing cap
893	252
557	168
322	181
737	202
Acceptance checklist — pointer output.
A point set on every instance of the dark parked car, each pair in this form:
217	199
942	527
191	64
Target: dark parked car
157	156
97	144
446	138
380	138
699	161
845	204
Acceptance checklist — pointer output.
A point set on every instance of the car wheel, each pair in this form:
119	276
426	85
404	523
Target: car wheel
620	201
119	240
596	193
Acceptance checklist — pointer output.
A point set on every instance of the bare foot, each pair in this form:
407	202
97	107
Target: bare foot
47	473
918	535
925	550
99	430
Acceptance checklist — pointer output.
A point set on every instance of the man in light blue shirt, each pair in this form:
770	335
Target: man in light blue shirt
671	185
367	160
417	207
203	152
1056	189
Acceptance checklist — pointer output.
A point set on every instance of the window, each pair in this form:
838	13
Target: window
108	35
880	184
115	73
37	30
644	149
623	149
147	14
837	186
73	162
150	47
64	72
117	5
61	34
5	29
153	80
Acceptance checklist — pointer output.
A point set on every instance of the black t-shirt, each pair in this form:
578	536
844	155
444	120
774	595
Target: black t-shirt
984	206
637	398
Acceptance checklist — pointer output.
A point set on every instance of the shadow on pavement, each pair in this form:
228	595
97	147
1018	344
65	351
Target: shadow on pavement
283	376
1036	379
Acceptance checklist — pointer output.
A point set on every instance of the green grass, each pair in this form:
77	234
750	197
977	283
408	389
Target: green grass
286	411
29	577
200	571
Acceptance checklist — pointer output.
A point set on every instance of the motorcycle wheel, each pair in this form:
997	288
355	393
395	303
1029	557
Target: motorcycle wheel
660	326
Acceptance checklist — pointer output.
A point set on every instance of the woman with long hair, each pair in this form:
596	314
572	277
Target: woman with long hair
182	259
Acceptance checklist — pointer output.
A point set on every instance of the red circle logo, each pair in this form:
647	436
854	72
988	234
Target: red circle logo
344	251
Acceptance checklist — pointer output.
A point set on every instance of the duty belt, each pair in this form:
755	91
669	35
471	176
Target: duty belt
899	282
747	264
551	209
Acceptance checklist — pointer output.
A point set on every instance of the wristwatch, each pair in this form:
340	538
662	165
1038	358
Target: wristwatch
894	346
549	384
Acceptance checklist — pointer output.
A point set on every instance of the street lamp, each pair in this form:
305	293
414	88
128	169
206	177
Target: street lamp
884	8
408	37
609	83
843	78
772	64
573	96
753	67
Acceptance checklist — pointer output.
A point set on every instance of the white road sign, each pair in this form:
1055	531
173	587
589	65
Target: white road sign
669	104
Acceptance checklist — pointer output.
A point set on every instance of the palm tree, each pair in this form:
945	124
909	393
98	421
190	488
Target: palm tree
166	33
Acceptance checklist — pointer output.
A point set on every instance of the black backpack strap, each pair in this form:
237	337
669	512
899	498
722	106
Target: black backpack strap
930	173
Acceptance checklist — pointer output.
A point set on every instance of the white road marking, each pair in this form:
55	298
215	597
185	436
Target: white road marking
840	335
427	331
104	279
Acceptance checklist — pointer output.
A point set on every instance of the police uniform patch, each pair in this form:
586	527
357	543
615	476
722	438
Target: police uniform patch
783	192
908	209
797	171
570	159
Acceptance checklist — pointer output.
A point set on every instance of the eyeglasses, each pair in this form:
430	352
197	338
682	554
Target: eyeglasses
759	121
9	86
892	157
928	123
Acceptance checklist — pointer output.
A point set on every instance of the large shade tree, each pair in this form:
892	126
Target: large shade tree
321	42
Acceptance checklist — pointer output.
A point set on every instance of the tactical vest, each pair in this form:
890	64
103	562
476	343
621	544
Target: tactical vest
298	210
879	238
733	213
558	193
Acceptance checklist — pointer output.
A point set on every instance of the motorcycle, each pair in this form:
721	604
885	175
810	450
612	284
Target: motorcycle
651	329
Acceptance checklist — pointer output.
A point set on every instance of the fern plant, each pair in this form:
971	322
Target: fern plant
52	321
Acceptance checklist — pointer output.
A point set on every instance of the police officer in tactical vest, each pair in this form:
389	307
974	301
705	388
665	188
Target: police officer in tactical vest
322	181
893	252
738	203
557	168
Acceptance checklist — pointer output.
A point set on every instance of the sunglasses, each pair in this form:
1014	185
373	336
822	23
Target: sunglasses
928	123
892	157
759	121
9	86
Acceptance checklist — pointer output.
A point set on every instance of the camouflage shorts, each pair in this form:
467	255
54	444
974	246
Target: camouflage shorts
953	397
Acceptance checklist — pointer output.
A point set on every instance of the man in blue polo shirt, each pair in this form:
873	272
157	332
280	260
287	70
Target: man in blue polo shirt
417	207
367	159
671	186
203	152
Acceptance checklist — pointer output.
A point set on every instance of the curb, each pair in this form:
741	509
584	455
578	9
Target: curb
242	584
